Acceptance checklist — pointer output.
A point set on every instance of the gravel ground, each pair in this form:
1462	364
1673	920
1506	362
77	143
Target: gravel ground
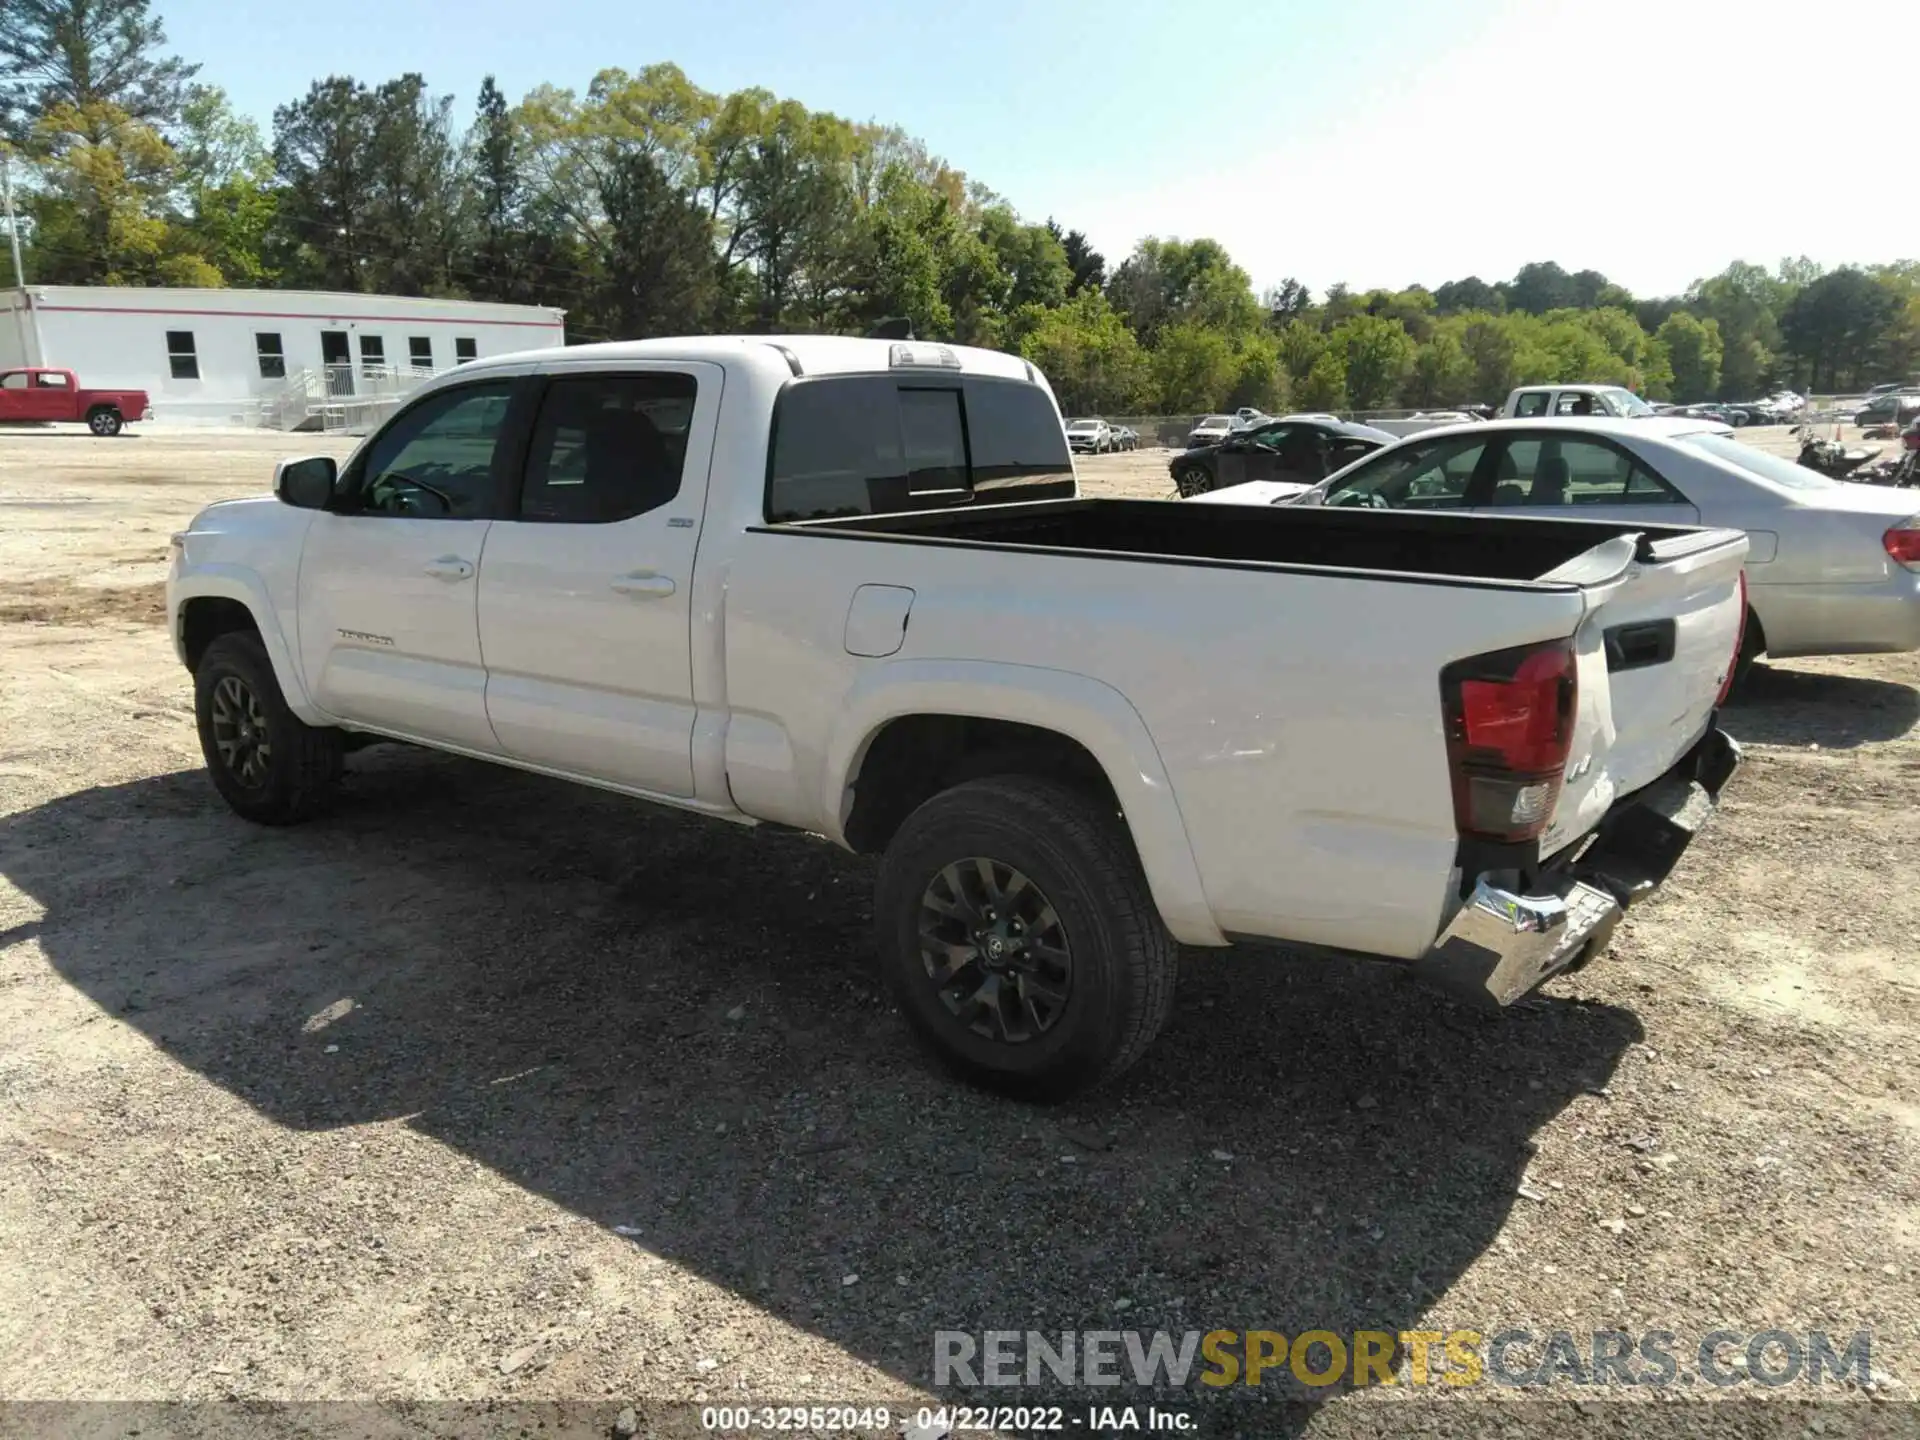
492	1090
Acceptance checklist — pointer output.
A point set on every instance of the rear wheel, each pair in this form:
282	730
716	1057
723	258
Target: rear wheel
1753	644
104	421
268	765
1016	932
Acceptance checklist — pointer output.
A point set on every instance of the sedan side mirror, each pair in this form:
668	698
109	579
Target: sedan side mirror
306	484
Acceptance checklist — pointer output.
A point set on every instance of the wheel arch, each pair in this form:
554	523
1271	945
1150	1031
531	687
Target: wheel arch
211	603
913	728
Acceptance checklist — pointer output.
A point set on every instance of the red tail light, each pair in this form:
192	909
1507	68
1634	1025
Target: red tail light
1509	722
1903	542
1739	644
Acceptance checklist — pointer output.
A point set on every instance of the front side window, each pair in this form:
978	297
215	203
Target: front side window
1430	476
607	447
1553	471
1533	403
51	380
877	444
273	359
435	460
183	362
1574	402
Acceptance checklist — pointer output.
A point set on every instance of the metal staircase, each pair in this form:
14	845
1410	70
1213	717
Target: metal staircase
340	399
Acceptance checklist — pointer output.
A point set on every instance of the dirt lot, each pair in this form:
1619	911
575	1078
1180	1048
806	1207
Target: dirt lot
487	1088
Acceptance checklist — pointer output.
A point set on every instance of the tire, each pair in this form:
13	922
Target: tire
237	702
1080	868
1753	644
104	421
1192	480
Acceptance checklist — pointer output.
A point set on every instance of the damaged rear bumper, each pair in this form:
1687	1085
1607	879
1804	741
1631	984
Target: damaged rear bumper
1509	937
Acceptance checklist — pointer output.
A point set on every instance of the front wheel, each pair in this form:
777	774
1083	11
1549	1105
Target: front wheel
1016	932
104	421
1192	480
268	765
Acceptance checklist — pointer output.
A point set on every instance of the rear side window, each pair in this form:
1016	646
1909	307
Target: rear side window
878	444
1557	472
1532	403
607	447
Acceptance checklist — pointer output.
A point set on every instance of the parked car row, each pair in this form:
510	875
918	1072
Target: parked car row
1097	437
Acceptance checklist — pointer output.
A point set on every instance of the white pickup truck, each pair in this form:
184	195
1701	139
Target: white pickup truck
850	587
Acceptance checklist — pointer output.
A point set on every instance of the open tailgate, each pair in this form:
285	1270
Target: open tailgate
1657	643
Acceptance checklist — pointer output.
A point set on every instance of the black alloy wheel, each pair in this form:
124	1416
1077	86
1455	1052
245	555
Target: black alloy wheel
995	951
240	734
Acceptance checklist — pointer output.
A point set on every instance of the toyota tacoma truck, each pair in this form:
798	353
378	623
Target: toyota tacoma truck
850	587
41	396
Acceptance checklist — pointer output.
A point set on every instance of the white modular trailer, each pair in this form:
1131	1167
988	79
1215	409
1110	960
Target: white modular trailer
222	357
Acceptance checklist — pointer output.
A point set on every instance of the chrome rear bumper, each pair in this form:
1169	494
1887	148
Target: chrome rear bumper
1506	939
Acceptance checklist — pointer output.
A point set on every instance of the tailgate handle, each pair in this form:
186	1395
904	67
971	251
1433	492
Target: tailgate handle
1634	647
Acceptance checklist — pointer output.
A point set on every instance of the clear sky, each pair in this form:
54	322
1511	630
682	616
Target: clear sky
1379	142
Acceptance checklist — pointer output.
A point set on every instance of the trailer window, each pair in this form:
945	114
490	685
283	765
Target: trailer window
465	348
273	359
373	354
420	351
876	444
183	362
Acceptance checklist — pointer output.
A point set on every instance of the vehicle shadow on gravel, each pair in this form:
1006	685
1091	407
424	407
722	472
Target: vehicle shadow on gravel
671	1026
1780	706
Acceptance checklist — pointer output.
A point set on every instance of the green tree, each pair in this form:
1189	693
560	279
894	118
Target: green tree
95	57
1087	353
1193	367
660	275
1325	387
1441	373
99	203
1472	293
225	187
1492	348
1375	355
1694	350
1833	327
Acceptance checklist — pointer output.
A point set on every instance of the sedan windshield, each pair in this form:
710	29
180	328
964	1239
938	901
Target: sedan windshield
1213	422
1774	469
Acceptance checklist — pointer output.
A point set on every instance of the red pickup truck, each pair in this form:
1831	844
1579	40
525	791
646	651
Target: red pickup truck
38	395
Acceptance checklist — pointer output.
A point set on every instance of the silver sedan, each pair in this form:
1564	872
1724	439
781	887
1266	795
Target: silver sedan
1834	567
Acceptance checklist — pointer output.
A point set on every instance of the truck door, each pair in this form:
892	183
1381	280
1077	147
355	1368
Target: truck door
586	617
51	396
16	398
387	588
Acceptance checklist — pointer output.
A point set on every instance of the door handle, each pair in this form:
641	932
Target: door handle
449	567
644	585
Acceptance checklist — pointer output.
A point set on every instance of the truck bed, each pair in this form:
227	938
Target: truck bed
1434	544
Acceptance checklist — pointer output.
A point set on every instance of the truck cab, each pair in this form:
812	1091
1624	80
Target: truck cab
1537	402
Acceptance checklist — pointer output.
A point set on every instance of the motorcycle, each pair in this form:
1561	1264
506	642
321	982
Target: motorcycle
1830	457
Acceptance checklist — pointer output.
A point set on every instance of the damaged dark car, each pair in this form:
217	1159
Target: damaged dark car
1300	450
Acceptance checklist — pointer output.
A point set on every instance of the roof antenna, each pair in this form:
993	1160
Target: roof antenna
894	327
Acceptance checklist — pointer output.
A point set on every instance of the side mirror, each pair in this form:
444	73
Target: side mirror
306	484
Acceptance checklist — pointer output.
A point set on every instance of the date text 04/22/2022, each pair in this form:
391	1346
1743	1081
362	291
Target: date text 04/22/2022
954	1420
